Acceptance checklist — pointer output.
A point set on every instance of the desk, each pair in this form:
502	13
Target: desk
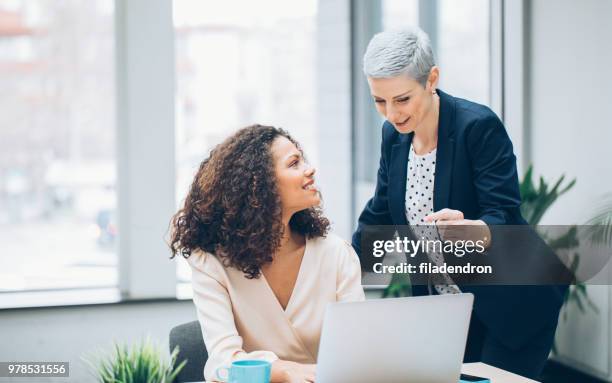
496	375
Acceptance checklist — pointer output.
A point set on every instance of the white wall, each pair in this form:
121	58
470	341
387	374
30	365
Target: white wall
71	333
571	133
571	94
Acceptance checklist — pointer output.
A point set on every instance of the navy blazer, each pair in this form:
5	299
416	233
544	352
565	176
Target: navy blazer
475	173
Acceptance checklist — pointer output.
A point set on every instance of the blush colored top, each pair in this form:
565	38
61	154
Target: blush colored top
241	318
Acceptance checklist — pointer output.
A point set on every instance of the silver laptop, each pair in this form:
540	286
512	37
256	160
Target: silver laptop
403	340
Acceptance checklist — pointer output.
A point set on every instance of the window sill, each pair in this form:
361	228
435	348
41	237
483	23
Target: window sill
96	296
76	297
59	297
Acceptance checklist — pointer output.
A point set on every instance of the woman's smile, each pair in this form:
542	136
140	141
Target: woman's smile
310	186
403	124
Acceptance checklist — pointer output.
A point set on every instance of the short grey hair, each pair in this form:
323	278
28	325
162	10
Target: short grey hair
395	52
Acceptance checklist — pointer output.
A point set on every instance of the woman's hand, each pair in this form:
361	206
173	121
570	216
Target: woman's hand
284	371
452	227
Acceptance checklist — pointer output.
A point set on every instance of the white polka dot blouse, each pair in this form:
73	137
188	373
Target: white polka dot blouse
419	203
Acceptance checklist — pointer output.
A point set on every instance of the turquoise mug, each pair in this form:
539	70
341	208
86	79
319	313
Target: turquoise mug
246	371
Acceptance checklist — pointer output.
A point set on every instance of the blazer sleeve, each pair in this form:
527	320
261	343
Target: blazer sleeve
494	172
214	310
376	210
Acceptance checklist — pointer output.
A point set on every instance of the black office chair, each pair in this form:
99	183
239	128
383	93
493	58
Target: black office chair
188	337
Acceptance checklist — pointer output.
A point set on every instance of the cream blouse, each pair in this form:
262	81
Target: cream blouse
242	319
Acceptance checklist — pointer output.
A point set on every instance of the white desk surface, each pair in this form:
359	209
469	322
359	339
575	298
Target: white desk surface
495	374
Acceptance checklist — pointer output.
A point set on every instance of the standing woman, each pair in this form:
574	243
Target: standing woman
263	265
449	161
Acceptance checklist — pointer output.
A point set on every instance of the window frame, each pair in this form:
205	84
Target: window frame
145	76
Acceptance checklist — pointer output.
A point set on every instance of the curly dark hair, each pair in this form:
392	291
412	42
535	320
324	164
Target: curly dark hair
233	209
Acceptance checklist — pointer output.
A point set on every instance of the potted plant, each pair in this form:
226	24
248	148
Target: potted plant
141	363
536	202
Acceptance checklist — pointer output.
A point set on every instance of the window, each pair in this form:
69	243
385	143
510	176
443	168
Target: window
57	150
463	48
461	40
239	68
400	13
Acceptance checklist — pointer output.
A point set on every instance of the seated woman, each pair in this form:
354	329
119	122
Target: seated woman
264	267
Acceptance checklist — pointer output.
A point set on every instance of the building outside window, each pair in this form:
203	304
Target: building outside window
57	145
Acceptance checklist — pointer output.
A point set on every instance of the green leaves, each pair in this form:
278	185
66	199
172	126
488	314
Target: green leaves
537	201
566	241
399	286
142	363
600	230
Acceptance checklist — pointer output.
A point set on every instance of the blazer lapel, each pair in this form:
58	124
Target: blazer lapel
445	152
397	179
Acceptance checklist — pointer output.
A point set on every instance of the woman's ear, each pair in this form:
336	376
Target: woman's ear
432	79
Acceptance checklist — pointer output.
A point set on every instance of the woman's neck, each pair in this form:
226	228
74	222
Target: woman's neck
291	240
426	135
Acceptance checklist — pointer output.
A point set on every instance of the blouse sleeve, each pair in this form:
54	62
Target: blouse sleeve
214	310
348	285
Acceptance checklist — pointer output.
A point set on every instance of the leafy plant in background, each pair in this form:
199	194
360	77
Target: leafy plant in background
398	287
535	203
142	363
600	230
